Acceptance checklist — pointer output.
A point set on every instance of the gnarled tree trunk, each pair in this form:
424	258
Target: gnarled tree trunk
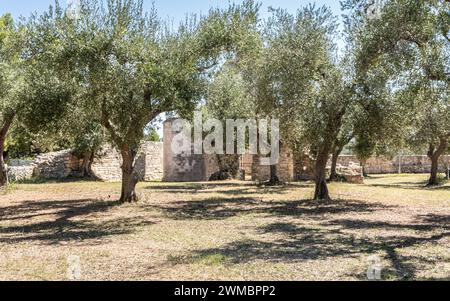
434	172
434	155
129	176
321	191
3	171
86	167
336	153
3	132
338	147
334	176
364	169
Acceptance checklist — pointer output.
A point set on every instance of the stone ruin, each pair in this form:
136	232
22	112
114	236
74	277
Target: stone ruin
189	167
185	167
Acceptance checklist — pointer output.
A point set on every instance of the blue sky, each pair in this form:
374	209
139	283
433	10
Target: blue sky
173	9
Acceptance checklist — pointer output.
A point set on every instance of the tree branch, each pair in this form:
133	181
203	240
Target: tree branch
5	128
107	124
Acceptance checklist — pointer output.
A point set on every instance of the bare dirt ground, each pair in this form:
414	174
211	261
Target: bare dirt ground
227	231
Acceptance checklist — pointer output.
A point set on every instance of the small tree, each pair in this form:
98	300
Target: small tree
152	135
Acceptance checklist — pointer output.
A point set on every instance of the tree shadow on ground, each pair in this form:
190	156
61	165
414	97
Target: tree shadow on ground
69	179
299	243
68	221
412	186
219	208
327	237
224	188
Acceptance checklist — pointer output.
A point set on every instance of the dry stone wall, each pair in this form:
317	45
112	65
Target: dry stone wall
402	164
156	161
56	165
20	173
20	170
152	161
107	167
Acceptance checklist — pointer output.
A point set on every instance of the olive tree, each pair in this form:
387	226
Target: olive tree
8	103
409	40
29	92
299	81
131	67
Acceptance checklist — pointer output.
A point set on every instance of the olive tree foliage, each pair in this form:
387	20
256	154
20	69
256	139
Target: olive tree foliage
379	120
381	124
33	92
228	96
409	41
129	67
22	77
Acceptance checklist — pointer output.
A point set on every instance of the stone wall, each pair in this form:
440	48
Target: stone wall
156	161
107	167
246	164
402	164
153	161
56	165
303	166
20	173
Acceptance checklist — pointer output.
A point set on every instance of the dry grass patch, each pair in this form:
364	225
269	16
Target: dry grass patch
226	231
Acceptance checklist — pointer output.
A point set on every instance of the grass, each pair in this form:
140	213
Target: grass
226	231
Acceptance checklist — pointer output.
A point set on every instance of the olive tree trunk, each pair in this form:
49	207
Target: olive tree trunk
338	147
364	168
274	179
3	132
434	171
129	176
86	167
336	153
321	190
334	176
434	155
3	171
